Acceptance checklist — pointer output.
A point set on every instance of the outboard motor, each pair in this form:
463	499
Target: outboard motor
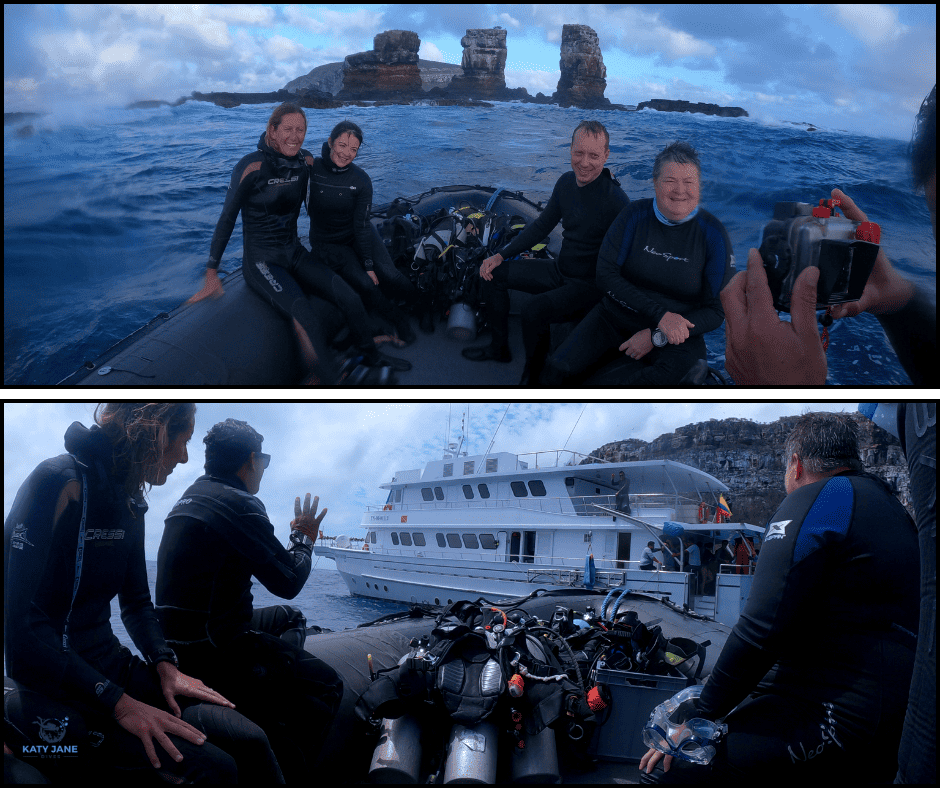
471	754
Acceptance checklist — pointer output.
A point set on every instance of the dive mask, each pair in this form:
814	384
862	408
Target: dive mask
671	733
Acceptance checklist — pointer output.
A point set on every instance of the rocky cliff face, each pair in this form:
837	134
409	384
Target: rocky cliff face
583	74
749	458
484	64
390	68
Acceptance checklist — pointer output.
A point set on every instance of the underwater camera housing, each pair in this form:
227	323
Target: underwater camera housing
801	235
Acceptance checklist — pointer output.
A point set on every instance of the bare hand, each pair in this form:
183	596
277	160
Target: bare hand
886	290
211	289
487	266
675	327
373	277
761	348
652	757
174	683
148	723
639	344
306	520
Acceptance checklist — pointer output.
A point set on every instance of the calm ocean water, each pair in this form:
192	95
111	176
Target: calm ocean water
108	218
324	600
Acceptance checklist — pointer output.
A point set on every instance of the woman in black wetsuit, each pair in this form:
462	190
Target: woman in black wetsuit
338	204
109	709
268	187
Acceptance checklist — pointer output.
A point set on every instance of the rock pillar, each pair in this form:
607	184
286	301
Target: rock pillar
390	68
583	74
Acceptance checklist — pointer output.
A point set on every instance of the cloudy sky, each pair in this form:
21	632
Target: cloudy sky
343	451
863	68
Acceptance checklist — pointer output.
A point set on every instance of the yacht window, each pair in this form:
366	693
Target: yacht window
484	490
372	537
569	481
536	487
394	538
397	496
391	498
419	539
470	542
468	467
439	493
453	540
518	489
427	493
468	491
406	539
487	542
440	541
448	469
492	464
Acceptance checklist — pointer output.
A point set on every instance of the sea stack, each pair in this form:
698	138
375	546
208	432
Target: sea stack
484	63
391	68
583	74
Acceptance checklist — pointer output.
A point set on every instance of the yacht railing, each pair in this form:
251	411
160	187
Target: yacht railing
685	508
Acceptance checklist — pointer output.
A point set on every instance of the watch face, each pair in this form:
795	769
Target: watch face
659	338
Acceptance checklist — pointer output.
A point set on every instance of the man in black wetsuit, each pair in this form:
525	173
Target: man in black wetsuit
586	201
217	537
813	680
661	267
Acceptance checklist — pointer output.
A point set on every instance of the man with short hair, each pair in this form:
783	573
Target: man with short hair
813	679
218	537
586	201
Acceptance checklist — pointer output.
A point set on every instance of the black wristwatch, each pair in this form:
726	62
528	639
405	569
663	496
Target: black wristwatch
659	338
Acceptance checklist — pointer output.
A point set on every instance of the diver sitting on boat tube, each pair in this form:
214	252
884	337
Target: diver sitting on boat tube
813	680
217	537
586	201
661	267
73	542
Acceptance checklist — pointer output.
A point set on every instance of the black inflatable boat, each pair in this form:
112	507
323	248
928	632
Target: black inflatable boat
608	751
237	340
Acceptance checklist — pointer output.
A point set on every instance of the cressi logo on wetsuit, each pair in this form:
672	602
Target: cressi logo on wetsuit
276	181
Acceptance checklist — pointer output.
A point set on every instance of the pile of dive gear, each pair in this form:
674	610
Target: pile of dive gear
441	255
495	693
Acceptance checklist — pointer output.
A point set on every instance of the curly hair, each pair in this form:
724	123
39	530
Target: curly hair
141	433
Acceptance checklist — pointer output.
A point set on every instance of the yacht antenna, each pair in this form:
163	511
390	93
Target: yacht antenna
574	427
487	452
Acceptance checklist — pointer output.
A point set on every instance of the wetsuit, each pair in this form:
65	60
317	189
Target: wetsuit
57	631
338	203
217	537
268	188
815	674
915	425
565	288
645	269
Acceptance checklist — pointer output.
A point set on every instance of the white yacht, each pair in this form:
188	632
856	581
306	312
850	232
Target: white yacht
502	525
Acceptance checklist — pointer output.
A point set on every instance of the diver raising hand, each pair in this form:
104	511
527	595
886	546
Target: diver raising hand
306	521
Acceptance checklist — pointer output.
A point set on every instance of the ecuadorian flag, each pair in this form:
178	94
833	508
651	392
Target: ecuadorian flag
723	508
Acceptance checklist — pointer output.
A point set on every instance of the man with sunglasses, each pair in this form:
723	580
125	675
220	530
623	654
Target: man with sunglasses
217	537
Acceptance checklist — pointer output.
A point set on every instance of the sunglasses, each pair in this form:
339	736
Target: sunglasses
264	458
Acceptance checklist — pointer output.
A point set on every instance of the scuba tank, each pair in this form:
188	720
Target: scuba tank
397	758
471	754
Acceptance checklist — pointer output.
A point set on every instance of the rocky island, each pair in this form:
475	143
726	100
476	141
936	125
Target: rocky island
392	73
749	458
